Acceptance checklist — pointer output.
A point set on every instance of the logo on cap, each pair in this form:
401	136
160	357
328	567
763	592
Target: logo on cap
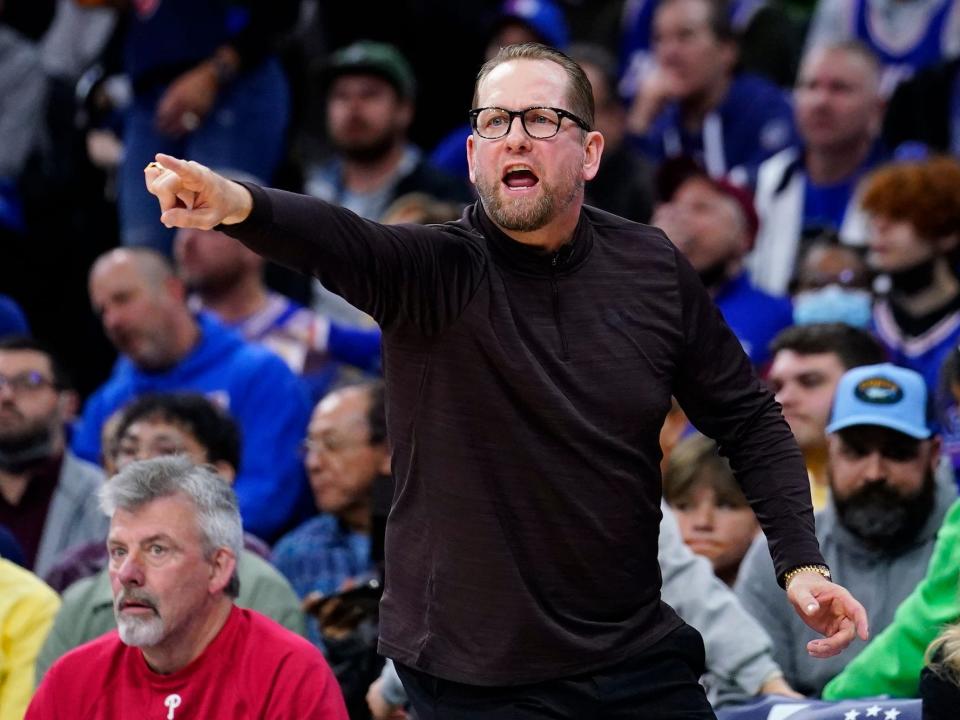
879	391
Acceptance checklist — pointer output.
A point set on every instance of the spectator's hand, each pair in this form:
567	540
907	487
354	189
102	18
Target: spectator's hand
192	195
187	101
829	609
653	94
380	709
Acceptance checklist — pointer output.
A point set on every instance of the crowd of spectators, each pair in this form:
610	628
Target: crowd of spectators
804	156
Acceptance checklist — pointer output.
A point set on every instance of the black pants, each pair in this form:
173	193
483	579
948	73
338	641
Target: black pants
661	683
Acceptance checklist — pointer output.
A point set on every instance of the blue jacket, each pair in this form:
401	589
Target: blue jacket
262	394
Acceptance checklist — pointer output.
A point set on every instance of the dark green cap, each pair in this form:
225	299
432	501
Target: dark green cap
374	58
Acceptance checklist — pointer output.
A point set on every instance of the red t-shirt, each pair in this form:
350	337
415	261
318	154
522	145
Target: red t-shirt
254	668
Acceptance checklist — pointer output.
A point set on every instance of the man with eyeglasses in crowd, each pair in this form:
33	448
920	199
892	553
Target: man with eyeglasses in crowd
531	349
345	452
47	494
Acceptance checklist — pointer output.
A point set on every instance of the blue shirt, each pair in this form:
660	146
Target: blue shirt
262	394
754	316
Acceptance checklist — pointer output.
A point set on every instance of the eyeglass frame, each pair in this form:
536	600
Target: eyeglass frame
19	383
511	114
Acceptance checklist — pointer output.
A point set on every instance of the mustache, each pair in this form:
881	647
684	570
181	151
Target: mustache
140	597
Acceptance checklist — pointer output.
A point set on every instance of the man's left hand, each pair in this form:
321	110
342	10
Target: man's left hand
829	609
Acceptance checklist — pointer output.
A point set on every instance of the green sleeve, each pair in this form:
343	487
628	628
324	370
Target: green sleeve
891	663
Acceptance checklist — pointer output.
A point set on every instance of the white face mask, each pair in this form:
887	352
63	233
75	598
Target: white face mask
833	303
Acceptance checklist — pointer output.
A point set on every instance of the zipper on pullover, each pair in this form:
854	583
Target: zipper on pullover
555	288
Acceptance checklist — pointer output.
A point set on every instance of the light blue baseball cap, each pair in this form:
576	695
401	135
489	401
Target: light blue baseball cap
885	395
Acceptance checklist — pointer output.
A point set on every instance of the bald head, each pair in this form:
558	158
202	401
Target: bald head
142	305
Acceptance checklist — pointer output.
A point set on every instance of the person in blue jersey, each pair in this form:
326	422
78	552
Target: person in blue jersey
164	346
696	103
714	224
805	191
226	279
212	88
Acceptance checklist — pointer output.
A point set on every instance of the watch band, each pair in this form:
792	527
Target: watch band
792	573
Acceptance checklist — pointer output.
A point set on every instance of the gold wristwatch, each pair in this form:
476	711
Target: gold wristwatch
791	574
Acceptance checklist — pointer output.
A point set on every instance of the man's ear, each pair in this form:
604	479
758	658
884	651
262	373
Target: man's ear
471	149
222	565
225	470
592	151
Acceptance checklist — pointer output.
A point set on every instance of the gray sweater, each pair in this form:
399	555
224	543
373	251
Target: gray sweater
879	580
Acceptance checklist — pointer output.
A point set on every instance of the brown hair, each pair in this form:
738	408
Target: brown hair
925	194
695	461
579	91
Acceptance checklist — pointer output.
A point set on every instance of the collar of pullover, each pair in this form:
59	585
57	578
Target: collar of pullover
531	260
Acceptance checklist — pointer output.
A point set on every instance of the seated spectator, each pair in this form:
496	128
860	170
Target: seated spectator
714	224
175	536
770	41
808	362
154	426
227	281
166	347
878	531
695	103
892	661
940	679
213	90
47	494
346	451
624	183
370	92
715	519
914	211
805	191
907	37
27	607
832	284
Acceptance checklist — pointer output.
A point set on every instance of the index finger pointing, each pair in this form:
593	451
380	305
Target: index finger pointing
190	172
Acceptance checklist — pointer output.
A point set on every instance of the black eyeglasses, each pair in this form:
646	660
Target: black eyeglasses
539	123
26	381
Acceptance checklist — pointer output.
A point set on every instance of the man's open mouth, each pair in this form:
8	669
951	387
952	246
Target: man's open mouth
520	177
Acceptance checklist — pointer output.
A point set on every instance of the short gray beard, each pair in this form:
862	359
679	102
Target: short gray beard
524	218
140	632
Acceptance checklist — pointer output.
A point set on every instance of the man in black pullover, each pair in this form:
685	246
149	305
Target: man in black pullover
530	351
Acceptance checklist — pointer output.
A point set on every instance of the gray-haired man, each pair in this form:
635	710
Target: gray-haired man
182	645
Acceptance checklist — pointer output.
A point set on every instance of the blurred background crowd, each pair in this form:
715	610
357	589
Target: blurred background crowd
803	154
